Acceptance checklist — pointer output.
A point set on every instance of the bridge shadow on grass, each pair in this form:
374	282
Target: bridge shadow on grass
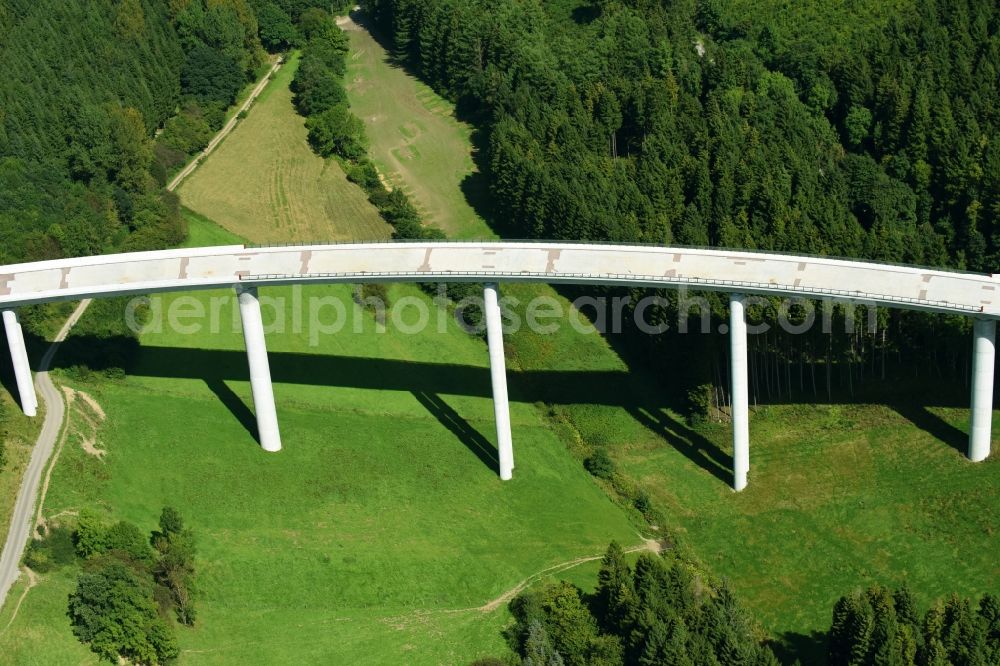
428	381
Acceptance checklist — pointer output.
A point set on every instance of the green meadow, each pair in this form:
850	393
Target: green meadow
378	531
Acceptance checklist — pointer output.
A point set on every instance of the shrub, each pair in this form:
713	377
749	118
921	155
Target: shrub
642	502
600	464
699	403
337	131
54	551
113	611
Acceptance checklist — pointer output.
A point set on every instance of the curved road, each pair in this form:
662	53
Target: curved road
55	409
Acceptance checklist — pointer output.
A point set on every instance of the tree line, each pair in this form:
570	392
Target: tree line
883	626
334	131
664	610
129	584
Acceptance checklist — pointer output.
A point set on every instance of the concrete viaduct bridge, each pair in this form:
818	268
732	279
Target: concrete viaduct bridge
737	273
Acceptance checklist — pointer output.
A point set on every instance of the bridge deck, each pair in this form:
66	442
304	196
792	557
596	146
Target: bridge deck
712	269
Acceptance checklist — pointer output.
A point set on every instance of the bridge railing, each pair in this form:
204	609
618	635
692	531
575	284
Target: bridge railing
617	278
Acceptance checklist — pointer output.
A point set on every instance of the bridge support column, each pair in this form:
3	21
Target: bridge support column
739	390
983	364
260	371
19	358
498	373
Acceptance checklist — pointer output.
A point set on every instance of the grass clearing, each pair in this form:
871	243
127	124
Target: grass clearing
416	142
264	183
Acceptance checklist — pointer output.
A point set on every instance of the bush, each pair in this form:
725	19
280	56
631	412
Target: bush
337	131
374	292
113	611
88	538
699	403
363	173
642	502
54	551
600	464
187	132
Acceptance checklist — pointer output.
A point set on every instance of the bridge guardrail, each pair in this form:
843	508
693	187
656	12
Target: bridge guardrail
492	276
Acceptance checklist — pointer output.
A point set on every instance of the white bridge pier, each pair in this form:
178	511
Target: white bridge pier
260	371
19	359
983	364
498	375
740	393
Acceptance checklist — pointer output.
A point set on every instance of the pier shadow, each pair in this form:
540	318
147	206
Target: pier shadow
7	379
462	429
235	405
693	445
933	425
793	647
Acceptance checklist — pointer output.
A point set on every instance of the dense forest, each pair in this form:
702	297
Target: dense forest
692	122
103	100
663	123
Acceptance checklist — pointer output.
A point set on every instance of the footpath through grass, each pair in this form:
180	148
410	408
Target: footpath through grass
264	182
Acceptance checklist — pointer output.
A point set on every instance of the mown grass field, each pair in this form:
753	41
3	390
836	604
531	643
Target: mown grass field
264	182
416	142
18	433
377	532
